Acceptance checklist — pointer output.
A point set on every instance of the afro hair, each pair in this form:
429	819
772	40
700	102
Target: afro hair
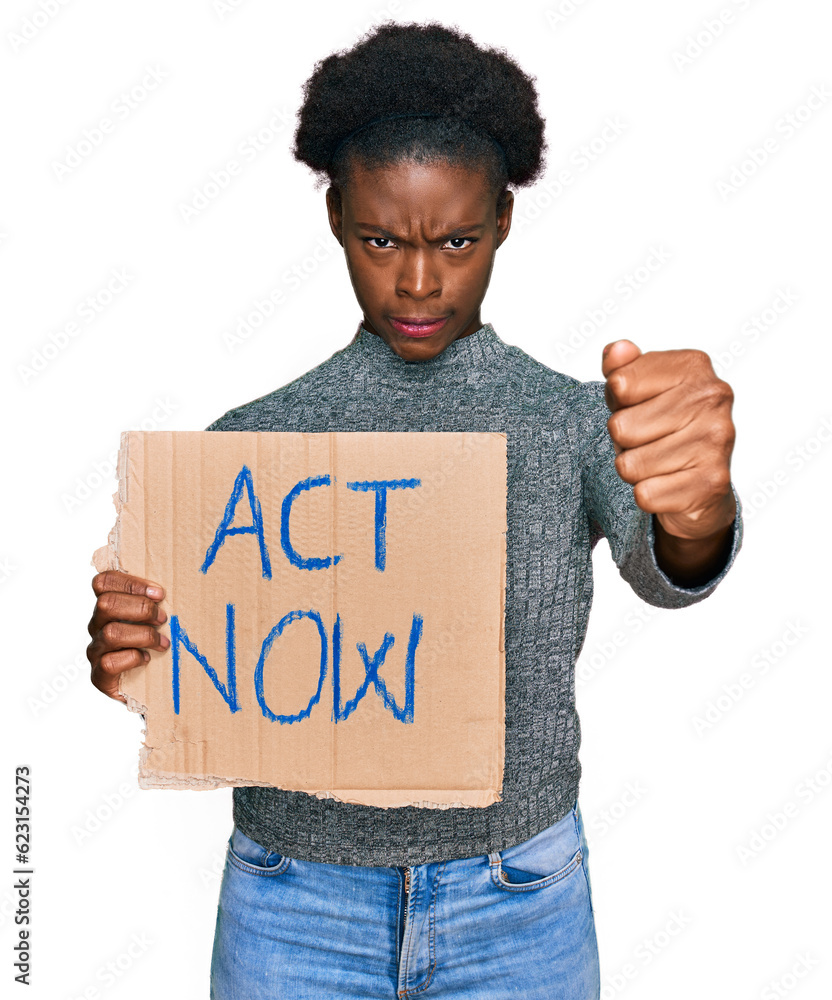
425	92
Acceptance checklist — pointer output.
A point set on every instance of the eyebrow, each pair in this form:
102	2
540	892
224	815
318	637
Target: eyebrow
452	234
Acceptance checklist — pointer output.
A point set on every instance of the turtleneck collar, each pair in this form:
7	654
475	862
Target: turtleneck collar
480	348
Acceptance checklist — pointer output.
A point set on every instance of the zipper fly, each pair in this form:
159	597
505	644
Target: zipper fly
407	881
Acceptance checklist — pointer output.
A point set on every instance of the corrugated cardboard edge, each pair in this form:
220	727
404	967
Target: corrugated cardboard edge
107	557
382	798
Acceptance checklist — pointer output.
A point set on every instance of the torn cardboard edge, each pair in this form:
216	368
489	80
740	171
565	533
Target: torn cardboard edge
108	557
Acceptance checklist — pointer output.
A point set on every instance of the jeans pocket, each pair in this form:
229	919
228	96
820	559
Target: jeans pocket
249	856
545	859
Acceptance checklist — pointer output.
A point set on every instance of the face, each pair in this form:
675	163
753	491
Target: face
419	242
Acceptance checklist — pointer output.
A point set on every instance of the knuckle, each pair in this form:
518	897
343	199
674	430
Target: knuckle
643	494
625	465
617	383
727	391
107	665
105	603
114	663
696	360
147	608
135	585
720	434
111	632
615	425
108	580
718	480
717	393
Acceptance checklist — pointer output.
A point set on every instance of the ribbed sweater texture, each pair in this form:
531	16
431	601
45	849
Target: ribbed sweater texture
563	495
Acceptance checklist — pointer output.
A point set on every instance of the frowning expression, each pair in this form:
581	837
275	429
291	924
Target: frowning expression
419	241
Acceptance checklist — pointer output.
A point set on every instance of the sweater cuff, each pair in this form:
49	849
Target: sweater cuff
641	570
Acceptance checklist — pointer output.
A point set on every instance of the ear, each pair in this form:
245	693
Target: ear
505	207
335	212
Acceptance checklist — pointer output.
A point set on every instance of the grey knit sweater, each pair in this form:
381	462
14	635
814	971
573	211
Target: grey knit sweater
563	495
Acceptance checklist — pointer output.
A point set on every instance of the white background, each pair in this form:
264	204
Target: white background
688	902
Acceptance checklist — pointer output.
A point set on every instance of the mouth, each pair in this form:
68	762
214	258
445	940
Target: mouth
410	326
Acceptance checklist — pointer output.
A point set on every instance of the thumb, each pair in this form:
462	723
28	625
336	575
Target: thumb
616	354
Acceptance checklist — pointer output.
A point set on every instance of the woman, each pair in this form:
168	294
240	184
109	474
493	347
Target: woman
421	134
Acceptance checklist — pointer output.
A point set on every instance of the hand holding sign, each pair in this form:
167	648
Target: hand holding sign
312	591
123	627
673	435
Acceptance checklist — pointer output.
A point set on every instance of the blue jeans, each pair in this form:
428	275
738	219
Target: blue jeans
515	923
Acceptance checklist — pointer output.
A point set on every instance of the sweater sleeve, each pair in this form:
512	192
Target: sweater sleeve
613	513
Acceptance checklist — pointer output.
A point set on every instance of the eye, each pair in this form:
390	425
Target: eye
458	242
380	242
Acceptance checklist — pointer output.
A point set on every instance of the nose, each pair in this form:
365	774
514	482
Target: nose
419	276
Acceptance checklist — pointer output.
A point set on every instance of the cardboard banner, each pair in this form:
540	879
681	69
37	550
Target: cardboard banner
336	611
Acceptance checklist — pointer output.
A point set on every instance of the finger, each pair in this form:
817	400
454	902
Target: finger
667	413
657	371
617	361
123	635
616	354
674	453
115	580
702	523
685	493
105	675
118	606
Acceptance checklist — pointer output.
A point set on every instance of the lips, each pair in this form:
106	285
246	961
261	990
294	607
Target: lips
412	326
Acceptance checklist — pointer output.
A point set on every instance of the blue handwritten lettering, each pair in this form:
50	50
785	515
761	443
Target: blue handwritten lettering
256	528
371	667
264	652
179	637
294	558
381	486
